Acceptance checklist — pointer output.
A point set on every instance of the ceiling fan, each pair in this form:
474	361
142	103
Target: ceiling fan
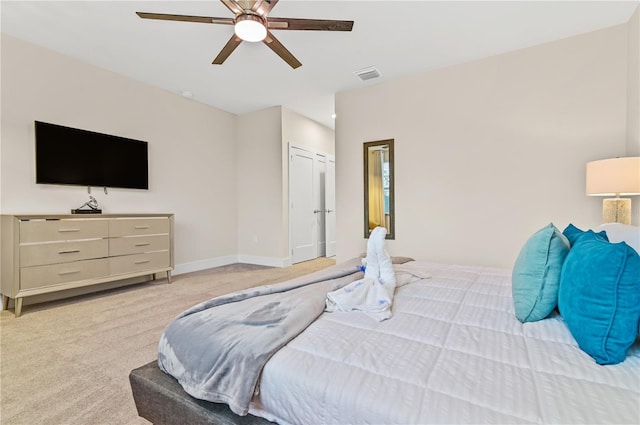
251	24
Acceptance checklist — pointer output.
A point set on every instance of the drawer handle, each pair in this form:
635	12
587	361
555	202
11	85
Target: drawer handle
142	262
143	244
71	251
69	272
68	230
141	227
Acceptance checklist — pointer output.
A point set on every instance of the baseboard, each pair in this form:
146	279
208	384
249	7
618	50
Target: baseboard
210	263
196	266
264	261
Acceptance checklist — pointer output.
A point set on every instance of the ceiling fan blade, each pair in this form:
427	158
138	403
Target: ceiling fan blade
263	7
281	51
186	18
228	48
233	7
309	24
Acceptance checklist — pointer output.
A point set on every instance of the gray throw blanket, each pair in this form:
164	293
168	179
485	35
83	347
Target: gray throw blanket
217	349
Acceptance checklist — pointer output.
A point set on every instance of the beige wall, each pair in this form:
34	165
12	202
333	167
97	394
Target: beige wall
224	176
489	151
263	180
192	151
301	131
262	238
633	82
486	151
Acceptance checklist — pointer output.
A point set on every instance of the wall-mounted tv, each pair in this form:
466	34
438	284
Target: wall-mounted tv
70	156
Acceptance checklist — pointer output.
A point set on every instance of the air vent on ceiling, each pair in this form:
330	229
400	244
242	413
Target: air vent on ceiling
367	73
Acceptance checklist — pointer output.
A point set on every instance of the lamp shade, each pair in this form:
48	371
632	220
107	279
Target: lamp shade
615	176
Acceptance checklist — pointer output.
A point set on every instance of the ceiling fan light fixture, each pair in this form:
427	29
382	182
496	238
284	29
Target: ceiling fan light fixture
250	28
251	24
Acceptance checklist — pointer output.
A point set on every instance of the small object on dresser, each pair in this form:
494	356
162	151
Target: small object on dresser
92	207
91	211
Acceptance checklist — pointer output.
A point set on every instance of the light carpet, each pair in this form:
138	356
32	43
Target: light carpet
68	361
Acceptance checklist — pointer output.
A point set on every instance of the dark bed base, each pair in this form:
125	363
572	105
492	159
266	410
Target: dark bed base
160	399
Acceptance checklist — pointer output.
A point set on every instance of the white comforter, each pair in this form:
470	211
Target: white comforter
453	352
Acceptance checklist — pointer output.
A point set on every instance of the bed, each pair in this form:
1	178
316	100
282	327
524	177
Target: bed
452	352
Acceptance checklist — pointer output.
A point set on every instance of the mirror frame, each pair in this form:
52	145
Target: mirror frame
391	232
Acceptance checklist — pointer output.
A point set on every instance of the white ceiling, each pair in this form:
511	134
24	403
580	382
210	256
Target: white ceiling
399	38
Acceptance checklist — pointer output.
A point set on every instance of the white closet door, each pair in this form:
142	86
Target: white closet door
304	245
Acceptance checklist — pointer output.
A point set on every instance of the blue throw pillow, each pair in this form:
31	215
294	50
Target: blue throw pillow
573	233
536	274
599	297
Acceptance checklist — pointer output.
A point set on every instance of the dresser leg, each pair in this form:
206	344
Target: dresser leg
169	276
18	307
5	302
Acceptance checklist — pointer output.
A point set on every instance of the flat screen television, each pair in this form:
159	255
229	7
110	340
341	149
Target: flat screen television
70	156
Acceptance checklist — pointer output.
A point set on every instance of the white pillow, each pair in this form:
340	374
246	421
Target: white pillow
408	275
618	232
402	278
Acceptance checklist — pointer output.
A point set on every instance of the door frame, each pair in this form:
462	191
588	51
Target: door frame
289	206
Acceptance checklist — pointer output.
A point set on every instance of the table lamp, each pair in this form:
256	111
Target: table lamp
614	177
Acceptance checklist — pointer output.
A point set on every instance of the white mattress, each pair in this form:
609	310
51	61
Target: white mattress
453	352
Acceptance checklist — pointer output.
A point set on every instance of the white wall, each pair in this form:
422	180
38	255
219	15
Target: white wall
192	152
468	141
489	151
633	83
263	179
302	131
261	234
223	176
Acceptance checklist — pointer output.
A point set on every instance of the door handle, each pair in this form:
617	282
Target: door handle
329	211
316	211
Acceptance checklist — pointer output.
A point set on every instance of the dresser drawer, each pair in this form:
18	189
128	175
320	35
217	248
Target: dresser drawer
138	226
39	276
138	244
62	252
62	230
139	262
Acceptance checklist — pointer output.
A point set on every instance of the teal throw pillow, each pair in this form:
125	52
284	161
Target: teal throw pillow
573	233
599	297
536	274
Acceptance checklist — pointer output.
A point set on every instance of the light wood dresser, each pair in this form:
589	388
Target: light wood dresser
49	253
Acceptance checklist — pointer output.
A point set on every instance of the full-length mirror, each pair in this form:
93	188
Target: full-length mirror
378	187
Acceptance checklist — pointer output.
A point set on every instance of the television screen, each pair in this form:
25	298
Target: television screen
71	156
